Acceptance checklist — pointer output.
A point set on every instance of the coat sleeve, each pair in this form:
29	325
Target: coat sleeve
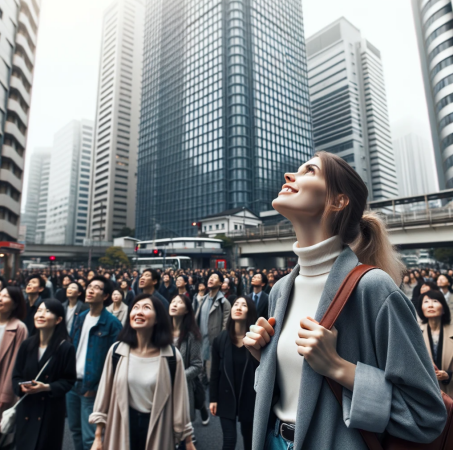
214	380
226	313
18	375
401	395
68	376
104	392
195	364
182	425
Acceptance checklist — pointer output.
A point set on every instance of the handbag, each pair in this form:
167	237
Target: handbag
444	441
198	390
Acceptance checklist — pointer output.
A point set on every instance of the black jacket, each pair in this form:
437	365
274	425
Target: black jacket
41	417
263	305
221	389
169	292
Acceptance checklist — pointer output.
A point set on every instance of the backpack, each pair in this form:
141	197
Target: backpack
171	360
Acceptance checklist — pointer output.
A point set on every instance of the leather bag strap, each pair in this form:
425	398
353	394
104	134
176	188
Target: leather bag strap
328	321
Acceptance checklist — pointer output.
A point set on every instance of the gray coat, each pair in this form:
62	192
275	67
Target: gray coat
395	388
193	366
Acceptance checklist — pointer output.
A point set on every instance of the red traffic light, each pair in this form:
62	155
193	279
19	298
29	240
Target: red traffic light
155	251
194	224
52	258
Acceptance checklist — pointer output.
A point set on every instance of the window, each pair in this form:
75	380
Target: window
204	228
235	227
210	227
223	226
217	227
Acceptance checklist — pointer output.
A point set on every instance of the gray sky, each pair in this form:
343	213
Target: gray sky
65	80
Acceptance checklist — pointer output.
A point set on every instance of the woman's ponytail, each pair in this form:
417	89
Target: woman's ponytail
373	247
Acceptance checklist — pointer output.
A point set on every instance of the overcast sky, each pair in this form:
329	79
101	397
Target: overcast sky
65	79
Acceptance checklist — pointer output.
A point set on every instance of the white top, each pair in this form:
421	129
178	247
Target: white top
315	264
81	355
41	352
70	317
2	332
141	380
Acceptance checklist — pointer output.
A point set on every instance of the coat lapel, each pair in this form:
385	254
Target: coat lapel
311	382
8	337
424	329
447	356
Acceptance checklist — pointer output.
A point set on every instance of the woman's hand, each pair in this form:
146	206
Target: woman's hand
36	389
189	444
213	408
259	336
318	346
441	375
97	444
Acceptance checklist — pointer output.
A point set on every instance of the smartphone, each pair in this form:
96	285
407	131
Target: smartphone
27	383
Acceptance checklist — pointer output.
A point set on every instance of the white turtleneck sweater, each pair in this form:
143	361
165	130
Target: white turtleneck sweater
315	264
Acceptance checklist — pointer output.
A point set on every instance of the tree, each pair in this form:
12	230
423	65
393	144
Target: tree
126	232
444	255
227	242
114	257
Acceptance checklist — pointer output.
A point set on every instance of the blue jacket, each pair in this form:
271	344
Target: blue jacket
102	336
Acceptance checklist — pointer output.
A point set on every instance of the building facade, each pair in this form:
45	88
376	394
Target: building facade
37	191
113	189
225	109
434	29
69	184
19	22
414	160
349	105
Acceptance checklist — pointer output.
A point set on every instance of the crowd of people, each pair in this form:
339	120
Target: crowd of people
100	336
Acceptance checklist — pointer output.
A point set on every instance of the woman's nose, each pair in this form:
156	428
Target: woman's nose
289	177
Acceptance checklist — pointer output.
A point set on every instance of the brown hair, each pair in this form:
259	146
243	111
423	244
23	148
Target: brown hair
365	231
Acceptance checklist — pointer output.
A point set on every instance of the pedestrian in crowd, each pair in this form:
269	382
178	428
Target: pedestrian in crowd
438	334
118	308
83	282
40	416
167	288
35	286
232	395
61	293
258	296
201	292
444	283
387	374
138	403
12	333
187	339
149	284
90	275
48	290
94	332
181	284
128	293
74	305
450	273
270	284
406	286
228	290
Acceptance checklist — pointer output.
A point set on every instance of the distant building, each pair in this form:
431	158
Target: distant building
69	181
37	191
229	221
19	22
349	105
225	109
113	190
414	160
433	26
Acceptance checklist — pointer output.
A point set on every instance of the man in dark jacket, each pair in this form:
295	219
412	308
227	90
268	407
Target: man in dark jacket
35	287
168	288
259	297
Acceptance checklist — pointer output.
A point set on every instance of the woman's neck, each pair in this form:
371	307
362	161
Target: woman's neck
201	293
182	290
310	232
116	306
239	331
44	336
434	324
72	301
177	321
144	345
4	318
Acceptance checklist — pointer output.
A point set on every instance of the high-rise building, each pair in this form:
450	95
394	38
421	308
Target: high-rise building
225	109
349	105
414	159
434	29
18	38
37	191
114	181
69	184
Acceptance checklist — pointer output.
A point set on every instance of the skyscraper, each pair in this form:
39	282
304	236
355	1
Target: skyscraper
414	160
434	25
113	189
225	109
18	38
69	181
37	191
349	105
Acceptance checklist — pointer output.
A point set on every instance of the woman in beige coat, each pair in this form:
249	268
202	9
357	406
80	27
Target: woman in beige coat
118	308
136	402
438	334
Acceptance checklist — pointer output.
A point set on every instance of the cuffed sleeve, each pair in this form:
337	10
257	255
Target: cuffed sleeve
368	406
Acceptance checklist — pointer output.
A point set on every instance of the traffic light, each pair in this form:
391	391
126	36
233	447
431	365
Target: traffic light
197	224
155	252
52	258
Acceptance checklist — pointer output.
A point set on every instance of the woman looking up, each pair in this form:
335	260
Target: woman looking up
40	419
375	340
118	308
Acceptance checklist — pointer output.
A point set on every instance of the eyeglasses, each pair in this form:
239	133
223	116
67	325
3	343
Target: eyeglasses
95	287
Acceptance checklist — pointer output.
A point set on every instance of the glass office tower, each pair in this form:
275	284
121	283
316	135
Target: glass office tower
225	109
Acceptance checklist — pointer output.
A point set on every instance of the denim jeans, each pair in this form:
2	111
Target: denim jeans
79	409
274	441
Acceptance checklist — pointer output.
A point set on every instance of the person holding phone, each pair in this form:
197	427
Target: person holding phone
375	341
41	415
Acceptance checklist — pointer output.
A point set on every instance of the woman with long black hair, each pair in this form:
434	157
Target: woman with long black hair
232	396
41	415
